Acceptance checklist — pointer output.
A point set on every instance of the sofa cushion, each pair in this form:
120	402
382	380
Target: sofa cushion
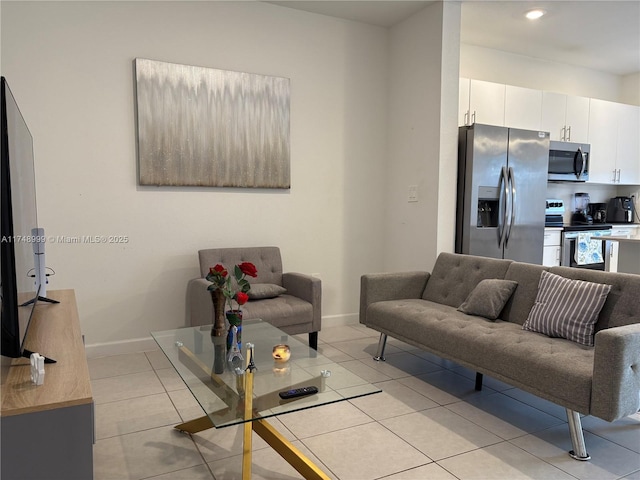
261	291
621	307
454	276
488	298
567	308
519	305
501	349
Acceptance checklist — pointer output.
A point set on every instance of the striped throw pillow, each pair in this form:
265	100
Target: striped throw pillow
567	308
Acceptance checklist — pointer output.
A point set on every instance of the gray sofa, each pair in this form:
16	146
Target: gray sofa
421	309
298	310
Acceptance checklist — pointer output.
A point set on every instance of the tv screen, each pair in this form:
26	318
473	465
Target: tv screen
18	218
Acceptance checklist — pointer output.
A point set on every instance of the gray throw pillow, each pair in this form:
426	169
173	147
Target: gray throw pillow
488	298
265	290
567	308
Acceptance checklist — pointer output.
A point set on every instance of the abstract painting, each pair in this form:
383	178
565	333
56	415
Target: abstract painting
201	126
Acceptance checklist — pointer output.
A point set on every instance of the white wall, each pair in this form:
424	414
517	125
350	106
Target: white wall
422	138
450	71
631	89
503	67
69	65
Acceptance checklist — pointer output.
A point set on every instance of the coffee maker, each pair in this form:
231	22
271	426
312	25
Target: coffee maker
620	210
598	212
580	214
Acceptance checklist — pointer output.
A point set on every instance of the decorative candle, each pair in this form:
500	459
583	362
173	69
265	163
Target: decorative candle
281	353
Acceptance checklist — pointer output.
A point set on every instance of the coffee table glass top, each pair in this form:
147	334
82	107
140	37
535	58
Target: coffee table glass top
192	351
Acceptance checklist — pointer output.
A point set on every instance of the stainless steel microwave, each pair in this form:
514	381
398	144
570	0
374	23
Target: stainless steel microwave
569	161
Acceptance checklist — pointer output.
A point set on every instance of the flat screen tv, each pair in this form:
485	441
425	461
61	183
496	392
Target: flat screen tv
18	218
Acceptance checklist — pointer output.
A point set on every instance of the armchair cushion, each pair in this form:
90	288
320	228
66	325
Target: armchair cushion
260	291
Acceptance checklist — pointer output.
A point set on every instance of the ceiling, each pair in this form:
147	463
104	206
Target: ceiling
600	35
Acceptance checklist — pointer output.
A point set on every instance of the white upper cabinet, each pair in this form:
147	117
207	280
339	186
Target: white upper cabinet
484	103
614	130
628	158
603	137
565	117
577	119
463	101
523	108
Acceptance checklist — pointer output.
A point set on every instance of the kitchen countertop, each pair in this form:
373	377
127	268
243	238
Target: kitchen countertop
622	239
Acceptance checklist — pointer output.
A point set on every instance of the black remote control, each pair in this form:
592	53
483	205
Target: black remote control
298	392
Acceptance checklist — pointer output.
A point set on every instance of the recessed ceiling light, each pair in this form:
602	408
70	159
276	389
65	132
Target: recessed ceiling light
535	14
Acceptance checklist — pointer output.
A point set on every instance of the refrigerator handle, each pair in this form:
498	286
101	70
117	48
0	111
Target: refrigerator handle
502	205
512	214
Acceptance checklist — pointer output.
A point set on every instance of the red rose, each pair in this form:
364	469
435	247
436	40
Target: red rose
249	269
219	269
242	298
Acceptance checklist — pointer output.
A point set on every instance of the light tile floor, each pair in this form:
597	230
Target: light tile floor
428	423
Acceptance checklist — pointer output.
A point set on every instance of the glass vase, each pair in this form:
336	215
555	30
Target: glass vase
234	317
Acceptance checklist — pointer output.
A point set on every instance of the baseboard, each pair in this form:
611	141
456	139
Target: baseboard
122	347
147	344
340	320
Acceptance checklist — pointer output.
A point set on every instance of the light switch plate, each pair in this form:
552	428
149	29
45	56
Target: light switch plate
413	193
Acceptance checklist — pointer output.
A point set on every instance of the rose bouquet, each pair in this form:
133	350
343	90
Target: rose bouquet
234	287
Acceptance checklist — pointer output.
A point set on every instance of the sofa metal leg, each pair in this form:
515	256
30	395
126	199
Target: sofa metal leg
579	451
478	381
381	344
313	340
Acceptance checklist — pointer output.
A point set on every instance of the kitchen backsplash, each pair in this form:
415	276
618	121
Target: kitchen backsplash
598	193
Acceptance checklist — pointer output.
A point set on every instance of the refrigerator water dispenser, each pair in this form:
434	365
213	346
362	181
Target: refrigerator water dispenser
488	206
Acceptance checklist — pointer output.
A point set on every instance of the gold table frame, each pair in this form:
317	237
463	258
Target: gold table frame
264	429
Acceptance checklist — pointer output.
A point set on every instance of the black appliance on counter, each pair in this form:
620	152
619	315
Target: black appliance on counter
580	215
620	210
598	212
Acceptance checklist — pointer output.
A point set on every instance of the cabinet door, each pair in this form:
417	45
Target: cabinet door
554	112
577	119
551	256
613	256
603	137
628	158
486	102
522	108
463	102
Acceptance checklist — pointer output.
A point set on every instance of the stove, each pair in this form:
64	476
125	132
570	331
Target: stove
578	239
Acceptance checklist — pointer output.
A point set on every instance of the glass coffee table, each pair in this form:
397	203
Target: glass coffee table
246	388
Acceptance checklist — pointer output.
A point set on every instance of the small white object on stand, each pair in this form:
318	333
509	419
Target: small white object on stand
37	368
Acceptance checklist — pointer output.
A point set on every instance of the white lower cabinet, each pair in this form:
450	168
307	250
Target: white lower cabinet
552	247
626	261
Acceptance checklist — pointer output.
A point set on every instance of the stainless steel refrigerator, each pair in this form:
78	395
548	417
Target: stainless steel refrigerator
502	185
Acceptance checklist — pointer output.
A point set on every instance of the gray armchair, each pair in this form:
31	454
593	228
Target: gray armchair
298	310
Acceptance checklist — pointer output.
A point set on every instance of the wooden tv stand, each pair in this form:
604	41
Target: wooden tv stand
48	430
